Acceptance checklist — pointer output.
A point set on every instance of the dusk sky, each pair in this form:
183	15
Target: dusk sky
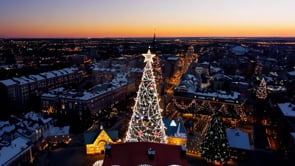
140	18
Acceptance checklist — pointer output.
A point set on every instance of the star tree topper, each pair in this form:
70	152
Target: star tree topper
148	56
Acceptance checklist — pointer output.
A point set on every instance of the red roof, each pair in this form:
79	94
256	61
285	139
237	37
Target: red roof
136	153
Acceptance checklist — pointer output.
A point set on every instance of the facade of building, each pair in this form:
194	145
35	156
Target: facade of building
145	154
175	132
18	153
96	139
21	136
93	99
18	90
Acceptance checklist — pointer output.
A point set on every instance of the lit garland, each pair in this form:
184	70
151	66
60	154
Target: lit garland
184	107
146	124
195	107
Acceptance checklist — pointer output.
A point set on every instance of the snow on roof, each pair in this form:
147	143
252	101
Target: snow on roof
20	80
215	69
27	79
103	69
205	63
41	76
288	109
48	75
220	95
37	77
121	58
240	83
54	92
276	88
8	152
51	95
239	50
58	73
174	58
291	73
136	70
3	123
35	116
238	139
224	95
31	115
69	70
55	131
8	82
5	127
117	82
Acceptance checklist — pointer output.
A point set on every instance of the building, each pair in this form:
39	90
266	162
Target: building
18	90
96	138
58	136
175	132
8	95
239	143
18	152
145	154
96	98
287	109
106	70
22	136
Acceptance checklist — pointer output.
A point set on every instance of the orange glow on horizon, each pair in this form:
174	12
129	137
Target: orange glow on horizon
140	31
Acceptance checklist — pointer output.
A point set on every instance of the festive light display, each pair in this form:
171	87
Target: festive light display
215	146
183	63
261	93
146	124
198	106
157	72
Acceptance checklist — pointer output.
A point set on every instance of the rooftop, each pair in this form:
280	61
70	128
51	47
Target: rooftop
238	139
136	153
288	109
8	152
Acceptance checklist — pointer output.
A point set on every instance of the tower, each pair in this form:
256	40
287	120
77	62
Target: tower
153	50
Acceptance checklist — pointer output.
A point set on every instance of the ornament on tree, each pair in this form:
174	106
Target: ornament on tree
156	134
140	133
152	86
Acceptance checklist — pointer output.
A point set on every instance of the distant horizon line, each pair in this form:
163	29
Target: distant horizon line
158	37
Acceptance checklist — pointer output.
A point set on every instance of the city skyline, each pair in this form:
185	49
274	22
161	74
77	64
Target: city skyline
131	18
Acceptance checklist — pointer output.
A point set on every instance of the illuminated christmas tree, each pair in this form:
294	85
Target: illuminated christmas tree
261	92
146	124
215	146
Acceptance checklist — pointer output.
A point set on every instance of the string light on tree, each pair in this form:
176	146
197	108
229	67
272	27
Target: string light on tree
146	124
215	146
261	92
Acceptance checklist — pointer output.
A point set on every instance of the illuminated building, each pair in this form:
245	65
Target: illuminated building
96	138
175	131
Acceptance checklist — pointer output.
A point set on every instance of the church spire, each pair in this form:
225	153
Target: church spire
154	43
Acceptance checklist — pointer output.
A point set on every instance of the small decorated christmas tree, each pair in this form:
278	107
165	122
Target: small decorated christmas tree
146	124
215	147
261	92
